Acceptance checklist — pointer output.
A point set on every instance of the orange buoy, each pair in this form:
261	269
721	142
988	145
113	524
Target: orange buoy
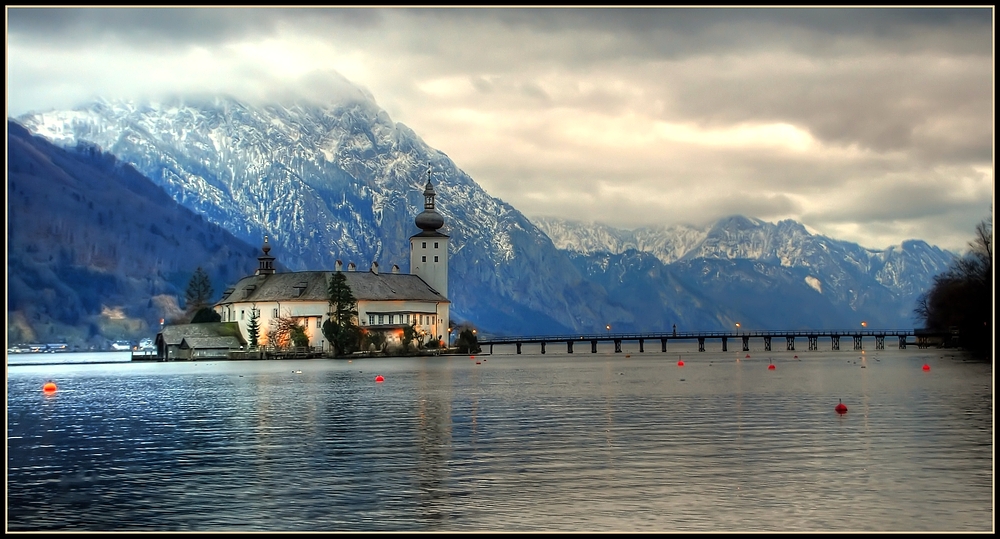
927	367
841	408
379	378
49	387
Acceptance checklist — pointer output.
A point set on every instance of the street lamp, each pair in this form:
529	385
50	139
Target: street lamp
864	324
608	328
737	326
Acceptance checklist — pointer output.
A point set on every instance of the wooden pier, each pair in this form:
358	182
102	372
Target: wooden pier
902	337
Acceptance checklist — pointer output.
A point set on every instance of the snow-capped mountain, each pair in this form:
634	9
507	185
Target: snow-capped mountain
667	243
844	273
343	181
340	181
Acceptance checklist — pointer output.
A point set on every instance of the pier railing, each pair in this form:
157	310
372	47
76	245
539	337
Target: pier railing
921	338
499	339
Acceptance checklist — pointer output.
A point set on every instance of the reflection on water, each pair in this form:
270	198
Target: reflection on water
555	442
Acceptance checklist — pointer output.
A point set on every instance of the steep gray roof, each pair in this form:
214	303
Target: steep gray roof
174	335
203	343
312	286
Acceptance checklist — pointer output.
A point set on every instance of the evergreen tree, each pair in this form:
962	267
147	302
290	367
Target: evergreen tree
205	315
467	342
409	336
253	327
199	291
377	340
298	336
341	329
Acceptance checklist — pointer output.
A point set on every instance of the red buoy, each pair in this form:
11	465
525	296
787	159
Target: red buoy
770	367
49	387
379	378
927	367
796	356
748	356
841	408
680	363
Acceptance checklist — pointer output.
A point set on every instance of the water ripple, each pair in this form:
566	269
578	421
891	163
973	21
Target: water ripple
528	443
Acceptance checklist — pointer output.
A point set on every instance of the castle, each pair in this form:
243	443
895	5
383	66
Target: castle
387	301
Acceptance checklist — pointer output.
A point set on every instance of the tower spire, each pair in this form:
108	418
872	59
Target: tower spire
429	193
265	261
429	220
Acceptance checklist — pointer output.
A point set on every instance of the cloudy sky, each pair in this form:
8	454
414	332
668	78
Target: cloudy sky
868	125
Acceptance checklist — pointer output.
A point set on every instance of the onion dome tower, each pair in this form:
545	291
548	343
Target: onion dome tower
265	262
429	248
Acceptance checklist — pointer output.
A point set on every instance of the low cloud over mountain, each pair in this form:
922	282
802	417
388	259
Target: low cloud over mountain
343	181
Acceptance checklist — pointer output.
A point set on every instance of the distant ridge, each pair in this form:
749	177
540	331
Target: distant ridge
341	180
752	271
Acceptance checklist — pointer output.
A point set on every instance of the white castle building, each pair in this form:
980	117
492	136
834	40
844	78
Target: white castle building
387	301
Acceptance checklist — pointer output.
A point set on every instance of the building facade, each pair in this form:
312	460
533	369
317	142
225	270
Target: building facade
387	301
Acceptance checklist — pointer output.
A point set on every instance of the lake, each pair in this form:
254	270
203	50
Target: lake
557	442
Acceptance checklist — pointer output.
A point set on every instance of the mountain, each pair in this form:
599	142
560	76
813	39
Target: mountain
666	242
745	270
95	251
341	180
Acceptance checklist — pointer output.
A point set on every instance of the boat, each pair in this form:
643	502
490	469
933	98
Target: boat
121	345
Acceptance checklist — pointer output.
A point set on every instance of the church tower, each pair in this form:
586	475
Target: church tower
265	262
429	248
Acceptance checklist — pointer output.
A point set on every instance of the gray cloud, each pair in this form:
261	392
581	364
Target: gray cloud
150	26
872	125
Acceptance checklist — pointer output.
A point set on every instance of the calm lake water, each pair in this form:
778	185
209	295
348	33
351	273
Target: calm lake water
556	442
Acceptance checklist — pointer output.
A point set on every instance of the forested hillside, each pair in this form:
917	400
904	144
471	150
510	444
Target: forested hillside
96	251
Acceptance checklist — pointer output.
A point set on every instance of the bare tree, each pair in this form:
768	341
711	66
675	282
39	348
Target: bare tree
281	331
961	298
